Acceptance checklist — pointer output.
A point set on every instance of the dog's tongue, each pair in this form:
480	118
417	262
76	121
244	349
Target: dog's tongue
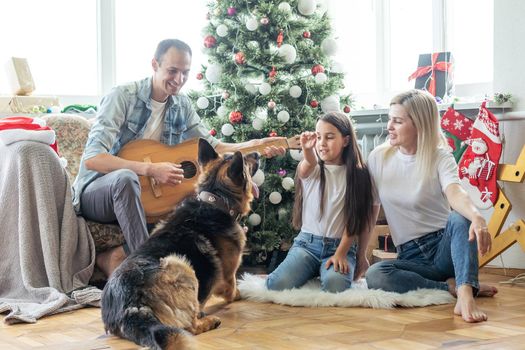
255	190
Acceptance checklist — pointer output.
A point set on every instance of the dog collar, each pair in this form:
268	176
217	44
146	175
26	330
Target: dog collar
217	201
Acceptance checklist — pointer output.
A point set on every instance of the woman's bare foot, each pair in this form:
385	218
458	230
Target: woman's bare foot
110	259
487	291
466	306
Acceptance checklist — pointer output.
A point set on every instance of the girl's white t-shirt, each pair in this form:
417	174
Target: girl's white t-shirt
331	224
154	126
412	206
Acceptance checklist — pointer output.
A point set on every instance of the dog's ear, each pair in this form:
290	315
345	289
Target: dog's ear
206	152
236	169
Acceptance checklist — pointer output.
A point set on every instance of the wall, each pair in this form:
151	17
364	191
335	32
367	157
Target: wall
509	75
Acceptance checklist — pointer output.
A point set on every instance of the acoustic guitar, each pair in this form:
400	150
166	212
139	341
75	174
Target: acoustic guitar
159	199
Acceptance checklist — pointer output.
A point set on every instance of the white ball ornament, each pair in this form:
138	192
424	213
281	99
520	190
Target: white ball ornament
288	52
254	219
258	177
213	73
275	197
320	78
222	30
227	129
252	89
258	124
284	7
287	183
203	102
295	91
307	7
261	113
283	116
296	155
222	111
329	46
252	24
265	88
331	104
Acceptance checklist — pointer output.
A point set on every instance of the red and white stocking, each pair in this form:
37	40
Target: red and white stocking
479	164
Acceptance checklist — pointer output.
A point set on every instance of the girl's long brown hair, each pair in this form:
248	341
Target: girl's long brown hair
358	203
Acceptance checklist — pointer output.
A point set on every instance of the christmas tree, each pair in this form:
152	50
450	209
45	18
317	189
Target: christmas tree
269	73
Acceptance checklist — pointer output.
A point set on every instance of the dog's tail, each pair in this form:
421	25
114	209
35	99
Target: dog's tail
141	326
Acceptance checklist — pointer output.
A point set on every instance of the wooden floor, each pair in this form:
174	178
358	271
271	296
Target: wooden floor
248	325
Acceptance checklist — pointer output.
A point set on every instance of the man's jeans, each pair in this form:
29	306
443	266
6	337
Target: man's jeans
306	260
427	262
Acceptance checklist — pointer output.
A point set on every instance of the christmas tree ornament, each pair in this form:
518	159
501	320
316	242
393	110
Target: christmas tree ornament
479	164
306	34
287	183
282	214
232	11
239	58
272	133
217	12
317	69
222	111
272	73
271	104
213	73
320	78
296	155
346	109
281	172
258	177
283	116
254	219
203	102
314	103
275	197
288	53
265	21
306	7
225	95
261	113
250	88
457	129
235	117
265	89
329	46
222	30
280	38
295	91
284	7
252	24
209	41
199	76
213	132
227	129
258	124
331	104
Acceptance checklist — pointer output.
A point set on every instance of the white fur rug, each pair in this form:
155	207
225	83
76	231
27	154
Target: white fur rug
252	287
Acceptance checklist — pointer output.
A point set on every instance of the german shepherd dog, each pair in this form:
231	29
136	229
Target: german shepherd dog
156	295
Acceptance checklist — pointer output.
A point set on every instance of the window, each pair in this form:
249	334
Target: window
59	40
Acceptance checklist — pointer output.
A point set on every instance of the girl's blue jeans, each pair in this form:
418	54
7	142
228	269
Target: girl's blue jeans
306	259
427	262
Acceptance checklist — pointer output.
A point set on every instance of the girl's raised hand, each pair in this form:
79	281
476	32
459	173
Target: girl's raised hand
308	140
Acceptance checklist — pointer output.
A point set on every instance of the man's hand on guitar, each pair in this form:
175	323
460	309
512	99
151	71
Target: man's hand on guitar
272	151
166	173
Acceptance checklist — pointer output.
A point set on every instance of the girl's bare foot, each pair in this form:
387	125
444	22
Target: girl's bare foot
466	306
110	259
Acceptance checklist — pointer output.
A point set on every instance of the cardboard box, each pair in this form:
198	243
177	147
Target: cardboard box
435	73
33	104
19	76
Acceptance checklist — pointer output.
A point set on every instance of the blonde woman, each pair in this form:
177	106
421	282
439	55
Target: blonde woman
416	178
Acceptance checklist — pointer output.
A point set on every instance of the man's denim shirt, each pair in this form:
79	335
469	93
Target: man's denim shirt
122	117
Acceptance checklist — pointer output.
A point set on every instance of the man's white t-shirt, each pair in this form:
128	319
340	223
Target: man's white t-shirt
331	224
412	207
154	126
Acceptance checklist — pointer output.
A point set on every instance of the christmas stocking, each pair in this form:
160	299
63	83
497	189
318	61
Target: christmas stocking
457	128
479	165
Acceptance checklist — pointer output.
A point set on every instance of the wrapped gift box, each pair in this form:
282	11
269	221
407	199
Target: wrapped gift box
435	73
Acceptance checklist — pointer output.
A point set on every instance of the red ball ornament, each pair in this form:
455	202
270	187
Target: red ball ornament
199	76
317	69
273	73
306	34
232	11
264	21
235	117
346	109
314	103
271	104
209	41
240	58
213	132
272	133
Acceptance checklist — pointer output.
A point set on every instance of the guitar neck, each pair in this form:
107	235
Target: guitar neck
278	142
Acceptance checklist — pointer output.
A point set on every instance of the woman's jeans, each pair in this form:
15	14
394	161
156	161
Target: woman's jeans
306	260
427	262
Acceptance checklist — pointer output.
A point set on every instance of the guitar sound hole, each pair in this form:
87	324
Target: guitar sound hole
189	169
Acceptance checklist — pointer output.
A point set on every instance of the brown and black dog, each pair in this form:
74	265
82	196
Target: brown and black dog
156	295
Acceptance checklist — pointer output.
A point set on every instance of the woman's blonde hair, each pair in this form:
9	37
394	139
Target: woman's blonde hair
422	109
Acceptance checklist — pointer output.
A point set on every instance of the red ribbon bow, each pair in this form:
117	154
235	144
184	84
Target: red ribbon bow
421	71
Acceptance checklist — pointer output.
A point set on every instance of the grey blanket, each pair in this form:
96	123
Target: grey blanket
47	254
